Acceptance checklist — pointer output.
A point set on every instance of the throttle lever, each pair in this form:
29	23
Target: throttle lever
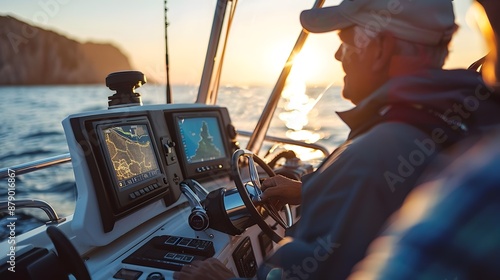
198	219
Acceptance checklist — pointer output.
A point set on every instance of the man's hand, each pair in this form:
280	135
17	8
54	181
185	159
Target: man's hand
282	190
209	269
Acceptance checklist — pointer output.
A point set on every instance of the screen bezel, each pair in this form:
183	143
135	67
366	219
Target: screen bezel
101	131
120	197
199	169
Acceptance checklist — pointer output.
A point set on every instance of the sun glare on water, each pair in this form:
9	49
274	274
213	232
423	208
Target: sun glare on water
297	106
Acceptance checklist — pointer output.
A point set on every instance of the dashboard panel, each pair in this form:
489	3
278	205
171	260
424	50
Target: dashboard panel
131	165
130	162
134	168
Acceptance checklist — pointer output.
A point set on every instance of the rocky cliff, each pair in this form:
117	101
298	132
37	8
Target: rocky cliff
34	56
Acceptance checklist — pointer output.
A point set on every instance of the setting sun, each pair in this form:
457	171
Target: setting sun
306	64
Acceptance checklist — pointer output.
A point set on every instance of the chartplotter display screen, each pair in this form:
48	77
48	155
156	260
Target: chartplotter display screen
126	153
201	139
203	144
130	153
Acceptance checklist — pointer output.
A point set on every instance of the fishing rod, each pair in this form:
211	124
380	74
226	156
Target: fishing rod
168	90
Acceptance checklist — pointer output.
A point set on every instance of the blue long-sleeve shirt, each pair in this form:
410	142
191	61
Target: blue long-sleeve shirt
395	133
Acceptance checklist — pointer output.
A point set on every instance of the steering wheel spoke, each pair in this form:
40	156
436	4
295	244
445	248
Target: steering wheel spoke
275	214
252	194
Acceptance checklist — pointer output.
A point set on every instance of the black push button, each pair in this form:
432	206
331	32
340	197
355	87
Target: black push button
127	274
155	276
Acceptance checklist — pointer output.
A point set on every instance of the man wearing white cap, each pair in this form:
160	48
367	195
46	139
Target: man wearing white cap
448	228
407	110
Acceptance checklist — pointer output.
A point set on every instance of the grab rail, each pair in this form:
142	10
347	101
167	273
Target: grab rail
65	158
288	141
35	165
34	203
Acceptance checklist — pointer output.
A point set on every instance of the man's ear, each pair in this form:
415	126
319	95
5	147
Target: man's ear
383	47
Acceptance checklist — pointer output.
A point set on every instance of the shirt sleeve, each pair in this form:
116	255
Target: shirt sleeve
347	201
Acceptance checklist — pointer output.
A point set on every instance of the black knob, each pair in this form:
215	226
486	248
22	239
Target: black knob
155	276
125	83
231	131
198	220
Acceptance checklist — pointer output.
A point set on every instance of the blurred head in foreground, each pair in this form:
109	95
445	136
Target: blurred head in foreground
489	24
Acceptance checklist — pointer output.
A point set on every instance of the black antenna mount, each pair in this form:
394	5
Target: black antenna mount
125	83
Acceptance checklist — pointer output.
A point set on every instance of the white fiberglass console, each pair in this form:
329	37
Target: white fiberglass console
129	162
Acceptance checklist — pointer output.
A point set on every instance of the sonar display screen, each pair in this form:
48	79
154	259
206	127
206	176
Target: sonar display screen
201	139
131	153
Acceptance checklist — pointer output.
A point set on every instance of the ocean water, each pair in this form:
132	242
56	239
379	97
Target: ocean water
31	129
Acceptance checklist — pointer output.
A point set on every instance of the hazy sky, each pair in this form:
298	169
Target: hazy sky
262	36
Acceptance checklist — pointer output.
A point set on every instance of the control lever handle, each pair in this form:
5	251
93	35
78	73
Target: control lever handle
197	188
198	219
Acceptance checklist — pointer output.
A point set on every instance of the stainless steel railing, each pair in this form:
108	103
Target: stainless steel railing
35	165
289	141
34	203
65	158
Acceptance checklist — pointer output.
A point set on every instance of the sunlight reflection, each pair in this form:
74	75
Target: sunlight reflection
297	105
306	154
297	108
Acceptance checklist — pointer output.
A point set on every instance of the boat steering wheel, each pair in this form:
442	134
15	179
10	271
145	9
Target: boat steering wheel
257	193
67	254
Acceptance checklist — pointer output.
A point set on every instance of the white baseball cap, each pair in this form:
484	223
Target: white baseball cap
428	22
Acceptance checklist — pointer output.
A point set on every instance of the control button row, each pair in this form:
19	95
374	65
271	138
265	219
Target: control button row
188	242
185	245
194	243
172	240
179	257
209	168
165	263
143	191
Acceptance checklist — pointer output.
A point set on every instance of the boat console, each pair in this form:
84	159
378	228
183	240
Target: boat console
156	191
131	162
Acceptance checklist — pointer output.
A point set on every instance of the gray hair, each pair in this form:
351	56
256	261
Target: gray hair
432	56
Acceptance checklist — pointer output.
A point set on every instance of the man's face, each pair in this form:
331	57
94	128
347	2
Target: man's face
357	58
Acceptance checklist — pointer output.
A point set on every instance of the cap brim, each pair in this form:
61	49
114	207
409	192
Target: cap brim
324	20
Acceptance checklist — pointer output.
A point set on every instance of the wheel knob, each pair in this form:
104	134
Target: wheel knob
198	220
